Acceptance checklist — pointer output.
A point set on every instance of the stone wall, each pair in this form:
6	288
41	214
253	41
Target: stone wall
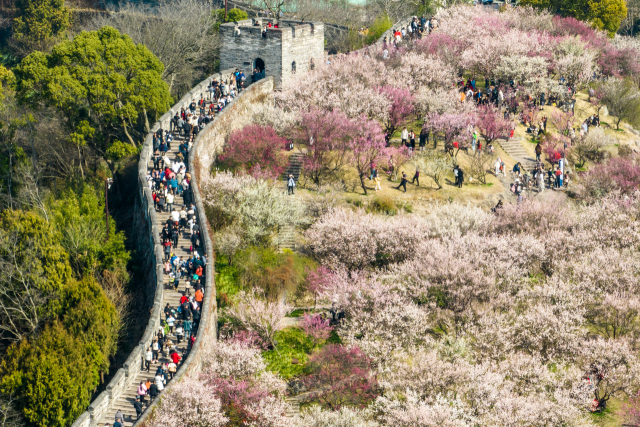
148	244
242	44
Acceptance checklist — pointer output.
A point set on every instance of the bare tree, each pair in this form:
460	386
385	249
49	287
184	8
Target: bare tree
22	284
479	165
180	33
10	416
434	164
622	99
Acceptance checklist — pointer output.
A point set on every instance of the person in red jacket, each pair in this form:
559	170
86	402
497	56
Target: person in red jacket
175	357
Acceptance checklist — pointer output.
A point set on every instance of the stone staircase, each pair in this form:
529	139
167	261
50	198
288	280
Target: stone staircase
295	167
125	402
513	147
287	236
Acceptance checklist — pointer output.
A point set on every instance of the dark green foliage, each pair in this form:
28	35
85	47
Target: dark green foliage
233	15
53	377
383	205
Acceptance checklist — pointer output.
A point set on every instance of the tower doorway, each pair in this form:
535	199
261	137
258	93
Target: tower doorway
258	64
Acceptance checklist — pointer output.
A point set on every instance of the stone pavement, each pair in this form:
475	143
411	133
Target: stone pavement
513	147
125	402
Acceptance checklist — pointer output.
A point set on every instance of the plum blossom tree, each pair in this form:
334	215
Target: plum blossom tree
455	128
396	158
433	164
190	403
326	136
367	146
400	109
255	148
317	328
492	124
252	313
342	377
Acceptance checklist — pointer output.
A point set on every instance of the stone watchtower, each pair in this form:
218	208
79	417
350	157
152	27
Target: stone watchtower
280	52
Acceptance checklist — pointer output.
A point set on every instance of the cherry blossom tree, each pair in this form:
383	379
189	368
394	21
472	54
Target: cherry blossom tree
434	164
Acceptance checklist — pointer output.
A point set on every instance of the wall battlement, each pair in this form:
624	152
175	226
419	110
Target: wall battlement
281	52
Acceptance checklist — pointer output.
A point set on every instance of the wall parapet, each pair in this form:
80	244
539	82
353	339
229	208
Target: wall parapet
149	244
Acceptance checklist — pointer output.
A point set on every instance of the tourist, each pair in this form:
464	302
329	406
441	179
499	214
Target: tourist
291	183
403	182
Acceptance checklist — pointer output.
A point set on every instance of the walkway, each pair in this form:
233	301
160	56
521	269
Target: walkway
513	147
125	402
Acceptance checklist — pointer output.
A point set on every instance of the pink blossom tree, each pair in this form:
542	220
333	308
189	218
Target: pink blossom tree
400	109
492	124
396	157
630	411
618	174
454	127
368	146
326	135
342	377
256	149
317	328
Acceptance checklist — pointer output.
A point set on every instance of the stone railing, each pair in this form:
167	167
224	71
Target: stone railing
149	245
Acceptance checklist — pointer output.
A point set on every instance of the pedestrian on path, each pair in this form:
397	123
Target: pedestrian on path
290	184
137	405
403	182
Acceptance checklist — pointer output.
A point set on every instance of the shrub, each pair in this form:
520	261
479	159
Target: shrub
383	205
275	273
290	343
316	328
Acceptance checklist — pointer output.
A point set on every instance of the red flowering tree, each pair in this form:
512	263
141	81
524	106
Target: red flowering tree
327	136
400	108
368	145
237	398
256	149
555	148
492	124
341	377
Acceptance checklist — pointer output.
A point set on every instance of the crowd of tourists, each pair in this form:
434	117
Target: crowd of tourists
169	180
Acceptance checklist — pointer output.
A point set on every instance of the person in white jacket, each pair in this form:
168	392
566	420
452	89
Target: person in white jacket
497	165
404	136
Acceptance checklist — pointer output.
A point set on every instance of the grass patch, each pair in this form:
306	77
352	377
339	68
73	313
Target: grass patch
227	281
609	417
291	343
488	184
355	202
383	205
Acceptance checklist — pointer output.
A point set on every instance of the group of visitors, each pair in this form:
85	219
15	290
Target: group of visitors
169	180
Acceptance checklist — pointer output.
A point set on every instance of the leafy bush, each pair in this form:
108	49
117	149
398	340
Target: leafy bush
233	15
379	26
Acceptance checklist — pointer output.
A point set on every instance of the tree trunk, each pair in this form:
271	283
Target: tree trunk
146	120
124	125
364	188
